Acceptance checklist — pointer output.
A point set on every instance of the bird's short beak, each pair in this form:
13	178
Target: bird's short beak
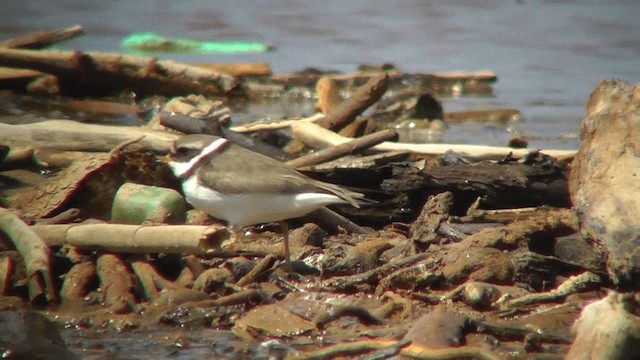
162	160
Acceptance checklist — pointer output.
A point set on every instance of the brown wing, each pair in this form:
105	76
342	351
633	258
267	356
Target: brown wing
236	170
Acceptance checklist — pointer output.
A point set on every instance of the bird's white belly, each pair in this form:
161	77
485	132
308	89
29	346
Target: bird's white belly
248	209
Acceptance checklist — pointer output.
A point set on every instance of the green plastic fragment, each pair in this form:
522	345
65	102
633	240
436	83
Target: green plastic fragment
152	42
136	204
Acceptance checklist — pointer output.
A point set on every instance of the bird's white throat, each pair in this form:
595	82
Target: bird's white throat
182	169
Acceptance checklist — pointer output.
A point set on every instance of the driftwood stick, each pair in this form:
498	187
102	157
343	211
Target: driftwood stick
16	157
498	116
7	264
575	284
333	222
318	137
180	239
72	135
191	125
261	125
356	128
34	251
263	265
347	148
150	279
43	38
76	282
243	297
9	73
364	97
143	75
117	283
238	69
482	75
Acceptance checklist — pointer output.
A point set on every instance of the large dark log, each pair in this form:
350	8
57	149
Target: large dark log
499	185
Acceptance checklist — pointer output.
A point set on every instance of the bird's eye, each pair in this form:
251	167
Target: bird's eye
178	150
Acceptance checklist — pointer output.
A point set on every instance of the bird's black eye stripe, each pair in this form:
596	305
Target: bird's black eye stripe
184	152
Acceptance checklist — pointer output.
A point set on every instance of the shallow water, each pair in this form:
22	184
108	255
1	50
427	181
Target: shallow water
548	55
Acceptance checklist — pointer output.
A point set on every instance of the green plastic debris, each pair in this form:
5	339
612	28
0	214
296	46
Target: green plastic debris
135	204
152	42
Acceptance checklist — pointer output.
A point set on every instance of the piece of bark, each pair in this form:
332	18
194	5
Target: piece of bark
42	38
99	107
317	137
604	178
343	149
435	211
82	72
180	239
361	99
89	184
34	251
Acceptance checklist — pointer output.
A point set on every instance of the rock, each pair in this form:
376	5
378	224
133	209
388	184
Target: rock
271	320
428	107
477	263
30	335
439	328
604	181
607	330
579	250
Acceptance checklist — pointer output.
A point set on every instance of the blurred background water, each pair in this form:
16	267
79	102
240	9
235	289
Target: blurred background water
548	55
